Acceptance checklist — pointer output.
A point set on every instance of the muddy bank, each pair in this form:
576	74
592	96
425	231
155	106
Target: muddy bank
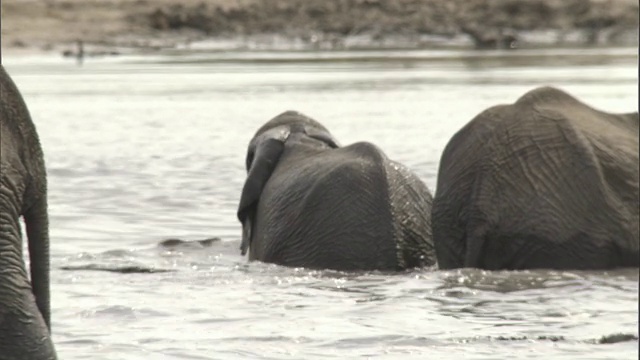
111	26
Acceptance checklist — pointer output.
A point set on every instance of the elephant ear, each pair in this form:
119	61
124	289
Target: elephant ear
322	135
262	159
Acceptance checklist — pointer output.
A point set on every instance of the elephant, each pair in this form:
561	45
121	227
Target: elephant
24	304
546	182
308	202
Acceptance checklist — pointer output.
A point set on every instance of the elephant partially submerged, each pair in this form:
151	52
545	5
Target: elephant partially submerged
547	182
309	202
24	303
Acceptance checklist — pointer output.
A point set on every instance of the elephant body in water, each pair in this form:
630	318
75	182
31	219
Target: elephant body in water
308	202
24	303
547	182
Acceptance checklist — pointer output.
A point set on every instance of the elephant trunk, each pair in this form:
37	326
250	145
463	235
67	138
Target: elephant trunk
37	224
266	159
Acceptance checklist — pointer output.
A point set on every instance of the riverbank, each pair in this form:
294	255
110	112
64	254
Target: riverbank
116	26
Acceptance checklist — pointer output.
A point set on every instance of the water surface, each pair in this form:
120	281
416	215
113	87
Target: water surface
144	148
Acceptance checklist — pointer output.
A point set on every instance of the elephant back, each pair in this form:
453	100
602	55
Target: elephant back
610	140
328	209
548	174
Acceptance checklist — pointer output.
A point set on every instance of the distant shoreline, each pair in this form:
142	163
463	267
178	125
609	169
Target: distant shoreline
112	27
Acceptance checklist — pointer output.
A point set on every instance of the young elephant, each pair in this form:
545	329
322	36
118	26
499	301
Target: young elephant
308	202
547	182
24	304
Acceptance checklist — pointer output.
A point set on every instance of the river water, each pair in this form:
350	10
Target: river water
144	148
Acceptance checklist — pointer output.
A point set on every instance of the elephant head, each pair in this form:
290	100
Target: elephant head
24	304
309	202
262	158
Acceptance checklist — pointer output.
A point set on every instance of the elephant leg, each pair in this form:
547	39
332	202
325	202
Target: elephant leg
449	237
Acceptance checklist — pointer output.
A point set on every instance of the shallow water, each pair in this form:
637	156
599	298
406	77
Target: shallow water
140	149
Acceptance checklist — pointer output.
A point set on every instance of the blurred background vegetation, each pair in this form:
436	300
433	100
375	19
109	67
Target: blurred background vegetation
326	24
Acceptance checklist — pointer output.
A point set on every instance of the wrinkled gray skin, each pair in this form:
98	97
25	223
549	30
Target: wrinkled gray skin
24	304
309	203
547	182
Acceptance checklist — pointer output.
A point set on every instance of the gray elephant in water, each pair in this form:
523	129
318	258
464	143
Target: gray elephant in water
308	202
24	304
547	182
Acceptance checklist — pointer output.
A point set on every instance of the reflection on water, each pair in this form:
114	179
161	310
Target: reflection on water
145	149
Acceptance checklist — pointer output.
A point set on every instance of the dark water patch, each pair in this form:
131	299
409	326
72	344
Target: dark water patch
373	298
116	253
122	312
219	320
340	288
166	201
79	342
177	244
607	339
182	354
210	249
284	339
397	340
60	172
116	311
616	338
152	340
241	354
551	338
509	338
127	269
84	256
169	255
